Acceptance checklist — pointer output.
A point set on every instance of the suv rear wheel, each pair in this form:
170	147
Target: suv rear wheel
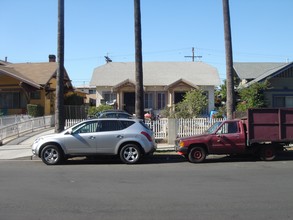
130	154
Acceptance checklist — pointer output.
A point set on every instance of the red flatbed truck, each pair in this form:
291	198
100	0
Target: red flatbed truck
263	132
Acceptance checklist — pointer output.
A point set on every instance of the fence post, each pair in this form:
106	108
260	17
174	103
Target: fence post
172	130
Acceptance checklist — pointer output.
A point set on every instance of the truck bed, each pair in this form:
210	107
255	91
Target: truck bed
270	125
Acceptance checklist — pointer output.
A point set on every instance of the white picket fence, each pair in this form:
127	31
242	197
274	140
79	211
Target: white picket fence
185	127
194	126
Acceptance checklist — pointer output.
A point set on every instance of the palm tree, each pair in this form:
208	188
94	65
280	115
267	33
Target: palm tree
139	95
59	104
230	104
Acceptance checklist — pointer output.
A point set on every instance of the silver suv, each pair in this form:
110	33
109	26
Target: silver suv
128	138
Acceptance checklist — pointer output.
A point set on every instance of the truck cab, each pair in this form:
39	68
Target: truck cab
227	137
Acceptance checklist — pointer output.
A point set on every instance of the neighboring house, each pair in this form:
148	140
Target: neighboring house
279	75
165	83
29	83
90	94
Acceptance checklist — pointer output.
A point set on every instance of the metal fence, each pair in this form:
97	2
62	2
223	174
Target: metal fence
9	120
18	128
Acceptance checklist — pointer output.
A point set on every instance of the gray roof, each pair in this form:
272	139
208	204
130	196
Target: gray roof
156	73
256	70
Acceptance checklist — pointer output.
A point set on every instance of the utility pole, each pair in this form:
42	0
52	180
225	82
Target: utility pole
59	103
193	56
139	93
230	104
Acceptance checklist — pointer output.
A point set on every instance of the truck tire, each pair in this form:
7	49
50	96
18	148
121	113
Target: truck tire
197	155
267	153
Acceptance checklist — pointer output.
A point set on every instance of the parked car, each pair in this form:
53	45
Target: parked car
113	113
128	138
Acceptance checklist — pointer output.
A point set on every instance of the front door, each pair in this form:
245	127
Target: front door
82	140
129	102
228	139
178	97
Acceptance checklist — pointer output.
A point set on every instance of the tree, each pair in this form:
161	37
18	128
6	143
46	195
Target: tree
192	105
139	94
230	104
59	104
252	96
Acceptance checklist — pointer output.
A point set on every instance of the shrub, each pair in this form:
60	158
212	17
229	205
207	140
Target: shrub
35	110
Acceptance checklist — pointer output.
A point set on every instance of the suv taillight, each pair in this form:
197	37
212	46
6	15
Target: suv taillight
147	136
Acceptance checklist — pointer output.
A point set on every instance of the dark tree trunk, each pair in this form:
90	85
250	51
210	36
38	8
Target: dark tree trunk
139	93
59	104
230	104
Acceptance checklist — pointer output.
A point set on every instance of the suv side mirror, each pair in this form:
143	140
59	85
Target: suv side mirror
69	131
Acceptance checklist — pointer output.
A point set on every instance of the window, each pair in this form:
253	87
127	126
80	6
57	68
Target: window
283	101
92	91
111	125
161	100
88	127
228	128
36	95
126	124
148	100
12	100
109	96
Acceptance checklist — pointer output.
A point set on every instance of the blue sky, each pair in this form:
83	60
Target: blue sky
261	32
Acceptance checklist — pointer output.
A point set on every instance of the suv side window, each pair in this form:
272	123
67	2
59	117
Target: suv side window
109	125
87	127
126	124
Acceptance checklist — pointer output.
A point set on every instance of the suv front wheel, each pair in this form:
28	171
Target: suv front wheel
130	154
51	155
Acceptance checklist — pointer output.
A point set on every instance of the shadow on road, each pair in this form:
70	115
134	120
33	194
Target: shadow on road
166	158
155	159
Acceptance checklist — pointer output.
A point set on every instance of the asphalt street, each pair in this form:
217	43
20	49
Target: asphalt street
165	187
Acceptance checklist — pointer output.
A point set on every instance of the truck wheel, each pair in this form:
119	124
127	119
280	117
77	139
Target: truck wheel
197	155
51	155
267	153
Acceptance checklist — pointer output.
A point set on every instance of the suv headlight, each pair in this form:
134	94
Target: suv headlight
38	140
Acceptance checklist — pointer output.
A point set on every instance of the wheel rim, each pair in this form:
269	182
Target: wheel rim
268	153
51	155
197	154
130	154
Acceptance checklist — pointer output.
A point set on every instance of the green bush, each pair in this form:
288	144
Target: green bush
93	110
35	110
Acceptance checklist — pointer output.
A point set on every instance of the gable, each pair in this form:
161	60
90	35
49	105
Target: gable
267	70
253	70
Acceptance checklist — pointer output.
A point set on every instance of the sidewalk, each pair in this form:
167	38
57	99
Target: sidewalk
20	148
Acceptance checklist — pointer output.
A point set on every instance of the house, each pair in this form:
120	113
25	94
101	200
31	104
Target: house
279	75
29	83
165	83
90	94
